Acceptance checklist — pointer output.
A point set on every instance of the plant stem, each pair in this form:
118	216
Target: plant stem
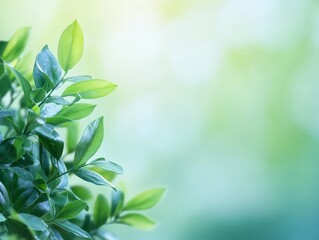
49	95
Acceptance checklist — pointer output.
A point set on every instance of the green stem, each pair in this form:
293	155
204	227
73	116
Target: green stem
53	89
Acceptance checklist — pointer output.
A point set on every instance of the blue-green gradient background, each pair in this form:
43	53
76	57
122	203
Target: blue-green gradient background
217	101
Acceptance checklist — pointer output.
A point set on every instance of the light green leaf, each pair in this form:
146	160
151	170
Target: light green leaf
78	78
16	44
72	228
93	177
51	140
137	220
82	192
101	210
33	222
70	47
72	136
145	200
71	209
71	113
107	165
89	89
90	142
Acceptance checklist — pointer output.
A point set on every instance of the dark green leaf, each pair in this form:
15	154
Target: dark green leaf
70	47
145	200
137	220
71	209
7	152
2	68
33	222
16	44
117	203
22	173
47	72
90	142
51	140
72	228
26	87
92	177
107	165
3	45
82	192
89	89
101	210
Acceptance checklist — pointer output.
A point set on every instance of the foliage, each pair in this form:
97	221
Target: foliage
37	198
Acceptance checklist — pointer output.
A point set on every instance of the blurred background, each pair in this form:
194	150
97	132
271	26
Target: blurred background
217	102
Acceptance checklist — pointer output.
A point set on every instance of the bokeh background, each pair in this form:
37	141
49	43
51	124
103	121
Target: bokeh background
217	101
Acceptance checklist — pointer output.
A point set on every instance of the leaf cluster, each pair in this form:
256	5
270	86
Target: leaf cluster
37	198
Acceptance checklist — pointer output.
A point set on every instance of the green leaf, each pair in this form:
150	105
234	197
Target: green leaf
107	165
117	203
22	173
71	113
38	95
89	89
2	68
16	44
101	210
90	142
51	140
33	222
47	72
78	78
137	220
49	110
4	197
72	228
6	113
82	192
71	209
72	136
3	45
8	153
26	87
145	200
2	218
93	177
70	47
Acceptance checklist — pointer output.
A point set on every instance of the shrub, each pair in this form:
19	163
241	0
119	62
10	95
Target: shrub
37	198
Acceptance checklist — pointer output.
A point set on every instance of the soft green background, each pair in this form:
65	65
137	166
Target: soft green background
217	101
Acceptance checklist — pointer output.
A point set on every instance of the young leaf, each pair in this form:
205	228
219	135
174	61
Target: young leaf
90	142
107	165
93	177
145	200
82	192
51	140
137	220
33	222
16	44
71	209
89	89
71	113
70	47
101	210
47	72
72	228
